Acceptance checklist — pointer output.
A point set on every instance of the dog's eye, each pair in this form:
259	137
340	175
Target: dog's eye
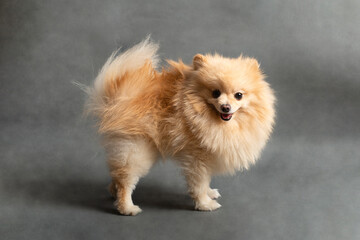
238	95
216	93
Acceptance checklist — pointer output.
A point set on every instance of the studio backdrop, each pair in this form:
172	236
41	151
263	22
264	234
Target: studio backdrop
53	172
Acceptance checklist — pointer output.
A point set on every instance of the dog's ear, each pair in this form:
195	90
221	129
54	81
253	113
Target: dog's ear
251	62
254	63
198	61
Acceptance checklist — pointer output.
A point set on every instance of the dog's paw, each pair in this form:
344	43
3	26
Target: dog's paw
207	206
214	193
130	210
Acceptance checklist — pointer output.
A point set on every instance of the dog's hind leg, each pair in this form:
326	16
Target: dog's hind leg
129	160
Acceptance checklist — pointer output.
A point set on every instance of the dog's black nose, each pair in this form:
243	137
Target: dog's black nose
225	108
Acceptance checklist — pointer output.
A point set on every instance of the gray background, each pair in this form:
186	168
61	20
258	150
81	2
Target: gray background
52	167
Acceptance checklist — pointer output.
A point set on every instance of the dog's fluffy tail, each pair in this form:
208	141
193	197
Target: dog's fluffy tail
122	74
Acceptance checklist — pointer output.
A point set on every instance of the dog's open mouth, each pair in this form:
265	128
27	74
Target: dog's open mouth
226	117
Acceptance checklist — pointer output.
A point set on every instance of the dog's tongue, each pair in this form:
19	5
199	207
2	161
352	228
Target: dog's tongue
226	117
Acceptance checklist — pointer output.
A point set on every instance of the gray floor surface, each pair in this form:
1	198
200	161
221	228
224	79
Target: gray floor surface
53	175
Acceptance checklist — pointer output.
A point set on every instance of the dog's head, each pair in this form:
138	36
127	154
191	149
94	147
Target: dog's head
226	87
227	105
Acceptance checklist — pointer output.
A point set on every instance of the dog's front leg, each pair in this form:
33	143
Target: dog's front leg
198	178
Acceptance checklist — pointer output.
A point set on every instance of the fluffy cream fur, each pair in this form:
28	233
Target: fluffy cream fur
145	114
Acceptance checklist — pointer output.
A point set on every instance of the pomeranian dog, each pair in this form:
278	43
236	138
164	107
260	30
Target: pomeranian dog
213	117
